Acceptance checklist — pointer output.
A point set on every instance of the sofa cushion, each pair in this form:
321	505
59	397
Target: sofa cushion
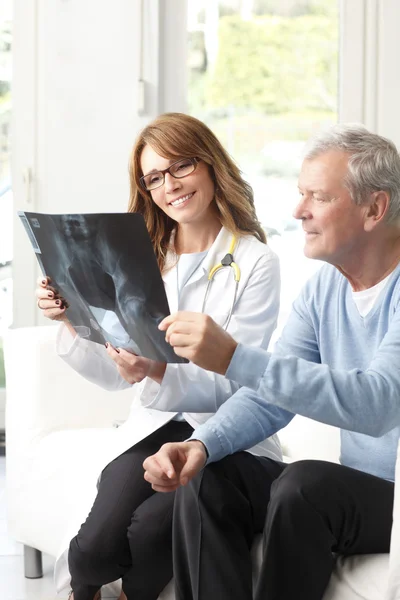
361	577
354	578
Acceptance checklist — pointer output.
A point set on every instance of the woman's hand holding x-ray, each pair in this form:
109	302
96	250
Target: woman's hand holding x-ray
135	368
174	464
49	301
198	338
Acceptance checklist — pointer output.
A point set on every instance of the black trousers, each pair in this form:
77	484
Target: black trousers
128	533
309	510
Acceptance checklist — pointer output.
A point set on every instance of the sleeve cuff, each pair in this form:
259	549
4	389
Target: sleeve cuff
197	440
150	393
248	365
215	449
65	341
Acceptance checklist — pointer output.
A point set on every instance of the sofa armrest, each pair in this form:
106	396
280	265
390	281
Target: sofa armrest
44	394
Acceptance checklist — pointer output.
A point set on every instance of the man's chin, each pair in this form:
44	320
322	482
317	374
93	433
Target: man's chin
312	253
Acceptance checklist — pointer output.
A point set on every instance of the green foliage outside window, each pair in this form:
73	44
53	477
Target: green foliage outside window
273	65
275	78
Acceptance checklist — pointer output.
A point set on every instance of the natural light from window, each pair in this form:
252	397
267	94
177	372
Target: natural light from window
263	75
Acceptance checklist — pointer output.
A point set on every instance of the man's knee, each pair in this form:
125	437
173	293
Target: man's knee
219	483
205	488
304	480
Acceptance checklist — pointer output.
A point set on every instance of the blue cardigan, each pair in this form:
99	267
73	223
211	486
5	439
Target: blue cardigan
331	365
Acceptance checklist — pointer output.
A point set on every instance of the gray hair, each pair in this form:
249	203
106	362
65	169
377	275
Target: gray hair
374	162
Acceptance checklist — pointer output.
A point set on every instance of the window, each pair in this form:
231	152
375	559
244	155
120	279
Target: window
6	206
263	75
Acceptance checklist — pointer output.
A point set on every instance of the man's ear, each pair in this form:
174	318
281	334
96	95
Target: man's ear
376	209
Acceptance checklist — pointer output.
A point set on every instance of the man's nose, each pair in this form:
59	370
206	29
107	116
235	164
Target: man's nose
171	183
301	210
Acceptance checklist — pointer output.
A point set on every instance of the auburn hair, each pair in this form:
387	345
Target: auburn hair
174	136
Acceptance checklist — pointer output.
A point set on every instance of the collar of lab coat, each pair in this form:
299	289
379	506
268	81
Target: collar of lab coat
217	251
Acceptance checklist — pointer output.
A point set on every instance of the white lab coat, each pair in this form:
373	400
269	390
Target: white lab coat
185	388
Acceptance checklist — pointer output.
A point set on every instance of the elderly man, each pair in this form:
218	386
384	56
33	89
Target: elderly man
338	361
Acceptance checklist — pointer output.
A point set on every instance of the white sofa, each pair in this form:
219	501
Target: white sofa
55	420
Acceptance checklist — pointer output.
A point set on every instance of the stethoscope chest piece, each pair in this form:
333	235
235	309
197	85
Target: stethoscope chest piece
227	260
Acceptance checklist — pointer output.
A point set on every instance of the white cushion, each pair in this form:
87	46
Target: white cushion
353	578
359	577
304	438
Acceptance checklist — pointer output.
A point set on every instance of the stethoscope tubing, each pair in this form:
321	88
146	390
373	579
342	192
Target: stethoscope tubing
236	275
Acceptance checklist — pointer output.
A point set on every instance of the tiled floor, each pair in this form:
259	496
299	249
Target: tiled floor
13	585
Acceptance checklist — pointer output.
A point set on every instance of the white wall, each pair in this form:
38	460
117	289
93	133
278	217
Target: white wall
77	107
87	103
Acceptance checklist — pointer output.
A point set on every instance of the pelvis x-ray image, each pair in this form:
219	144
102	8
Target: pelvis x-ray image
105	267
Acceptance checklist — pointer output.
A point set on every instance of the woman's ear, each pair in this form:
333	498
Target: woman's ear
377	209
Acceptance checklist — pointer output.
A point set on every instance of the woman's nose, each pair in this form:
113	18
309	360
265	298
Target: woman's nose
171	183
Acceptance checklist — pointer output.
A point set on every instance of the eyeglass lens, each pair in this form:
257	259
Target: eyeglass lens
179	169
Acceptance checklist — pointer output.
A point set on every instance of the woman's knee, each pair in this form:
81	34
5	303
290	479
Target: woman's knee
85	562
152	521
95	547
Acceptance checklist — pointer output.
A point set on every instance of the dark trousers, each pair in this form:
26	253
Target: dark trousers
128	533
311	510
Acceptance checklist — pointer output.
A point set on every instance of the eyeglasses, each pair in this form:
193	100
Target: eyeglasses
180	168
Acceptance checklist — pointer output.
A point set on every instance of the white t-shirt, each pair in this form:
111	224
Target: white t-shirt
365	299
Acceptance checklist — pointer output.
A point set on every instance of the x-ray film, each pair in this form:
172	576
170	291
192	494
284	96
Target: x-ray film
105	267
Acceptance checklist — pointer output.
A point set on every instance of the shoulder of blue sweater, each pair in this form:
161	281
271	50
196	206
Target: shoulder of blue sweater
324	275
326	280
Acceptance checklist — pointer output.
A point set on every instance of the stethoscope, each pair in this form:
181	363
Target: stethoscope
227	261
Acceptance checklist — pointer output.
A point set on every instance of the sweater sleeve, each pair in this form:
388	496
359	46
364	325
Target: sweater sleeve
241	423
224	432
292	380
364	401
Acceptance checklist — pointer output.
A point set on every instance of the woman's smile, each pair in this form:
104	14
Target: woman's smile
182	200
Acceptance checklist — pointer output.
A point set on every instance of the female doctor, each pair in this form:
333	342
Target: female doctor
213	258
